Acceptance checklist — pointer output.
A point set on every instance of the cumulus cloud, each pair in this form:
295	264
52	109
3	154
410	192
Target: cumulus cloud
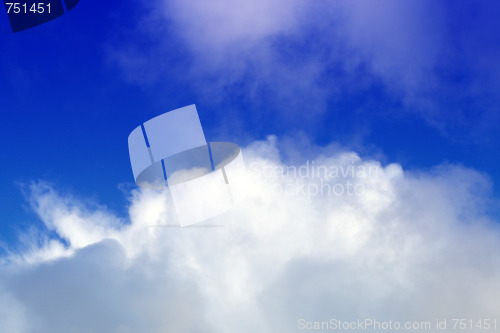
337	236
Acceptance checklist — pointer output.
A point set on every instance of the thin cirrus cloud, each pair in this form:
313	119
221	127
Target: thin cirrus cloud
435	59
405	246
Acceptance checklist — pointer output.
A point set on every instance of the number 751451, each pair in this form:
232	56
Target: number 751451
35	8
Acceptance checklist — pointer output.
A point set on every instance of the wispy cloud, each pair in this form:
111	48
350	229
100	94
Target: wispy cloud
300	57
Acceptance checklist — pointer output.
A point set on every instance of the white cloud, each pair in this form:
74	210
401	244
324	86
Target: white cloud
292	60
221	25
407	246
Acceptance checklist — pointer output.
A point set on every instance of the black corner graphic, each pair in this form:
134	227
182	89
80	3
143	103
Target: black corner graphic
70	4
28	14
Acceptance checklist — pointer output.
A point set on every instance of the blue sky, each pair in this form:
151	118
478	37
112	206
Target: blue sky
413	83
